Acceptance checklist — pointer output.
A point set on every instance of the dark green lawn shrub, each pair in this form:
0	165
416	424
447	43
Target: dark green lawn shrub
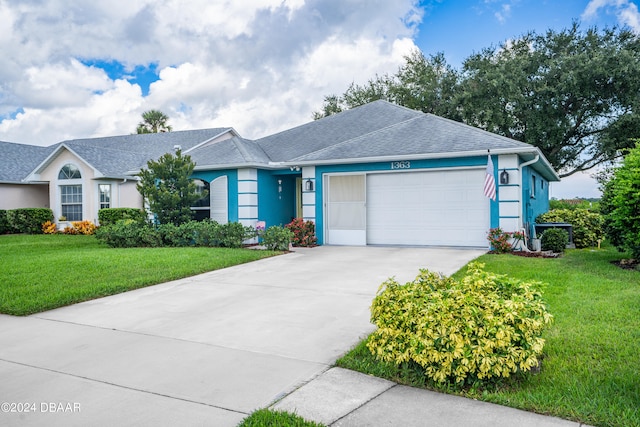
4	222
28	220
110	216
481	328
588	227
304	232
233	234
177	235
128	233
276	238
621	204
131	233
555	240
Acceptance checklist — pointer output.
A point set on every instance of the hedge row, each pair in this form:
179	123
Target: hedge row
110	216
131	233
25	220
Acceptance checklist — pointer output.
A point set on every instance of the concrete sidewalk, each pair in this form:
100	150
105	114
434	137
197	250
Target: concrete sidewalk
343	398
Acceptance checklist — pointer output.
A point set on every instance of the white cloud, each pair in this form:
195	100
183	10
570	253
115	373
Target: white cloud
504	13
626	12
257	65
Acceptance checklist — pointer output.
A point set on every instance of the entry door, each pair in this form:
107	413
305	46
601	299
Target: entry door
346	210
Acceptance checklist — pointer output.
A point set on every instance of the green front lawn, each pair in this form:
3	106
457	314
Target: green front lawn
43	272
591	367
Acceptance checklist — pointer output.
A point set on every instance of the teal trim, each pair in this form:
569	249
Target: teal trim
509	201
232	189
507	216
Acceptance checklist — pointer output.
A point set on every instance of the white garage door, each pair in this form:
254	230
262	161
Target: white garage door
445	208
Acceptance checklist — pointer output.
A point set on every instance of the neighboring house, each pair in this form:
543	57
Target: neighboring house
376	174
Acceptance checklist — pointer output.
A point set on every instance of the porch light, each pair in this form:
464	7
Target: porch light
504	177
308	185
279	189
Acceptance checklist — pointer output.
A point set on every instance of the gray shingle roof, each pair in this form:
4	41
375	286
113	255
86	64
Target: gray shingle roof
335	129
18	160
375	130
116	155
234	151
425	134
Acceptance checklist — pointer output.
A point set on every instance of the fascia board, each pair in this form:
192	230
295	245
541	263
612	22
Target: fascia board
523	150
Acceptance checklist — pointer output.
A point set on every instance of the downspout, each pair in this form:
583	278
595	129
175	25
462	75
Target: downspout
522	166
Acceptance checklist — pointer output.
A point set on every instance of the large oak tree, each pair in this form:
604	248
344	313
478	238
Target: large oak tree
574	94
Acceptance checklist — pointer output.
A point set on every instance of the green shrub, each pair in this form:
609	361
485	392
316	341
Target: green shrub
554	239
177	235
620	204
128	233
4	222
233	234
207	233
28	220
110	216
481	328
276	238
304	232
588	227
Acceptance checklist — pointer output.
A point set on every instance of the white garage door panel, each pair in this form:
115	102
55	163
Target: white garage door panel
427	208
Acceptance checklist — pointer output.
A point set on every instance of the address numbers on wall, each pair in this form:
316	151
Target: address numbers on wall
401	165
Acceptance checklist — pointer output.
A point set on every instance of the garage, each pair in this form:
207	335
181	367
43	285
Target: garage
444	207
435	207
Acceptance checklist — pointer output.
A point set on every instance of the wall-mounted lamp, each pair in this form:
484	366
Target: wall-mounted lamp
279	189
504	177
308	185
294	168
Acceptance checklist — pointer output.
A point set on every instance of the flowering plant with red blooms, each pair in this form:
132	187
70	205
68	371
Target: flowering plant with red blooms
304	232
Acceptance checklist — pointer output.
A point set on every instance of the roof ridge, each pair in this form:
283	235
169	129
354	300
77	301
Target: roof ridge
331	147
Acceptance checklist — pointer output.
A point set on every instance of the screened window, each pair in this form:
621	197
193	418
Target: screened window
105	195
71	202
69	171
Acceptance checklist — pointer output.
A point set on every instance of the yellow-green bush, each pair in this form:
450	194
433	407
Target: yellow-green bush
480	328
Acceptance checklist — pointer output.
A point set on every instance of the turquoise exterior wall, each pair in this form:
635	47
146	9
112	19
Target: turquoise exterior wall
535	201
274	207
232	187
387	166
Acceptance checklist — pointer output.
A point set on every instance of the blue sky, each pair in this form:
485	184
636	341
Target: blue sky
88	69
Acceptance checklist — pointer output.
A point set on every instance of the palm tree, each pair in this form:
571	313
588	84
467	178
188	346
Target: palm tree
153	121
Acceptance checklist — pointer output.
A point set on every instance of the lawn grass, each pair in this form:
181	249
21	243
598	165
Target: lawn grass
591	367
43	272
271	418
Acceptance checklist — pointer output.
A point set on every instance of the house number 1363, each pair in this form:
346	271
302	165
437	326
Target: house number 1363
401	165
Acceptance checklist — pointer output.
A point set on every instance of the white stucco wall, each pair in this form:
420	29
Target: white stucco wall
50	174
16	196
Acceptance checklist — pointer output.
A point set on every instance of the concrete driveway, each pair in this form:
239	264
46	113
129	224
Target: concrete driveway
205	350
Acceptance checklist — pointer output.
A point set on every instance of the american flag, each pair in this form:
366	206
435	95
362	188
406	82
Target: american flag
489	180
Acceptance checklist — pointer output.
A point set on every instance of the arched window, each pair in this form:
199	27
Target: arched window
70	193
202	208
69	171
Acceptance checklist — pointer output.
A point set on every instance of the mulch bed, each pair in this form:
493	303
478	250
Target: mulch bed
628	264
543	254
